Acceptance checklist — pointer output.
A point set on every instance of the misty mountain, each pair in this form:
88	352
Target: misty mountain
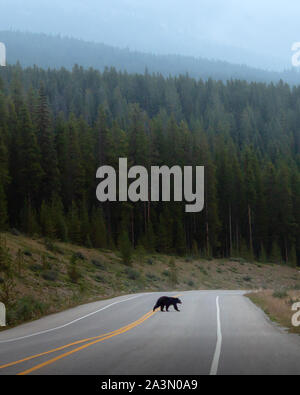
259	34
56	52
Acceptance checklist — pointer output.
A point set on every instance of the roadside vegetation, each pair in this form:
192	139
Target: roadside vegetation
278	305
39	276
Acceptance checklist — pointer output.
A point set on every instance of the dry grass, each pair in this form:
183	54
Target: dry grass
278	305
109	277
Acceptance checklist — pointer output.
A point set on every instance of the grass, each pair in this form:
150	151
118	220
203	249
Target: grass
48	286
278	305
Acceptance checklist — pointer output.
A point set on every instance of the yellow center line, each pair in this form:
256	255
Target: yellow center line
51	361
66	346
92	340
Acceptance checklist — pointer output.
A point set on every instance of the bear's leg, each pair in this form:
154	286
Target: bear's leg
167	307
175	307
162	307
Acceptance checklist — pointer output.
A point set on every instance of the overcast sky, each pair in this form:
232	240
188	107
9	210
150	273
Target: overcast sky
256	32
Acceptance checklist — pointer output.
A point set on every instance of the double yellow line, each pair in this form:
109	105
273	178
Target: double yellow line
91	340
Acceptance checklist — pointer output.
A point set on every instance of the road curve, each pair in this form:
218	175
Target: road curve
216	332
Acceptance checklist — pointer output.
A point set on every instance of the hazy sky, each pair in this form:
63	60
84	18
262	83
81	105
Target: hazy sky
256	32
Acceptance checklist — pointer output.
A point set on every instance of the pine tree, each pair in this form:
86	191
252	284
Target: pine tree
58	219
125	248
46	221
293	256
50	182
57	127
179	239
74	224
149	241
31	170
263	255
275	255
3	210
29	219
98	229
195	250
84	225
140	253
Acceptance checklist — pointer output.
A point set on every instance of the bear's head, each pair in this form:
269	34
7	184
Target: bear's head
178	301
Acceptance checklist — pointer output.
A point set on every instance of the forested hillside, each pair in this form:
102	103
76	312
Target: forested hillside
56	52
58	127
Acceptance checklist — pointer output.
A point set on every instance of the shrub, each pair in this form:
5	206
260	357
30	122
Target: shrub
132	274
140	253
281	294
189	259
202	270
98	264
247	279
239	260
51	246
27	253
152	277
173	271
150	261
99	278
190	283
73	272
28	308
79	255
45	263
15	232
36	267
50	275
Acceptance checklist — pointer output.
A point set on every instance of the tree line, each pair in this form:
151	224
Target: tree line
57	127
56	51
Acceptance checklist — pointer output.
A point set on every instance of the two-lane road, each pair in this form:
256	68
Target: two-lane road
216	332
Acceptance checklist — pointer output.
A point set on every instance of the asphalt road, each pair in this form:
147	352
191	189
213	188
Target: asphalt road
216	332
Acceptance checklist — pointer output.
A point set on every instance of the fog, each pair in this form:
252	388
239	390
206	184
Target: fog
252	32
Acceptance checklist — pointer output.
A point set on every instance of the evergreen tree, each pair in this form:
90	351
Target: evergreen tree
125	248
3	209
50	182
98	229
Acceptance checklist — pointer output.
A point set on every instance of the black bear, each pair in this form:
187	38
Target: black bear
166	301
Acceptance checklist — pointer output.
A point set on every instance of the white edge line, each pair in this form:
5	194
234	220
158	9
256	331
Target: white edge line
69	323
215	363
